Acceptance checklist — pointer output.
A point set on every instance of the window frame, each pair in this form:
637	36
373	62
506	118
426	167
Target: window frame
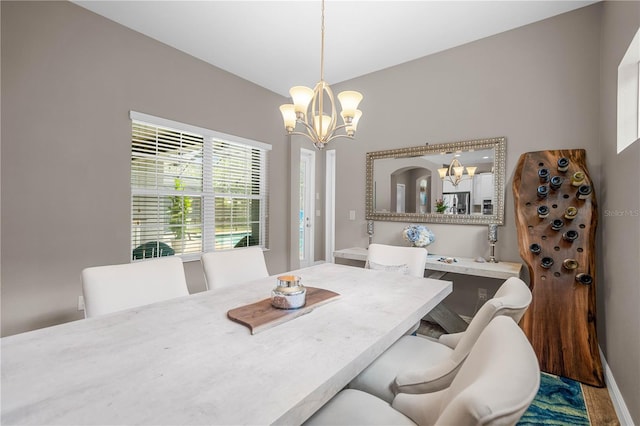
206	193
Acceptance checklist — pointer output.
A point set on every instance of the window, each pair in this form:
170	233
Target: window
629	96
194	190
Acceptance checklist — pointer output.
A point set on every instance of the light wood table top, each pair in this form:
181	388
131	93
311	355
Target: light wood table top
184	362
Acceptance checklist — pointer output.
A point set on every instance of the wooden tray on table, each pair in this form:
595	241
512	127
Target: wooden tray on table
262	315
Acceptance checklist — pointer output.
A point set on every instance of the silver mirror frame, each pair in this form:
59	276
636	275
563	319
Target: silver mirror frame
499	146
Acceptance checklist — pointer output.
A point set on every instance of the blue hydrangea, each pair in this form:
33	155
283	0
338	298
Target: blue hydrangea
418	235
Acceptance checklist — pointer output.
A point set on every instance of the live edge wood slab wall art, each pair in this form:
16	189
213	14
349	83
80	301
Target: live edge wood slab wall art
556	218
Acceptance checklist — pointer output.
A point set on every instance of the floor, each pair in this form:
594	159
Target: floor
598	401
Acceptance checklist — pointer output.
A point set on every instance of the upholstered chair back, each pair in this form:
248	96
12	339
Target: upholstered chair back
495	385
114	288
511	300
407	260
230	267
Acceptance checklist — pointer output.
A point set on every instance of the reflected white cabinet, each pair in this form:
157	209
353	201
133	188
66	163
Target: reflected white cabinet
483	188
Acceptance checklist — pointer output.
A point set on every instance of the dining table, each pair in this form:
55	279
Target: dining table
184	361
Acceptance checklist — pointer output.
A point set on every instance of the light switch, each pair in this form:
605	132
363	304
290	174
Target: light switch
352	215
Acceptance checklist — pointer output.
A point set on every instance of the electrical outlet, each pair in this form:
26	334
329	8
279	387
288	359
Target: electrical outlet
81	303
482	294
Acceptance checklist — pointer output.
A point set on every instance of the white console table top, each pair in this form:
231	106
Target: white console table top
464	265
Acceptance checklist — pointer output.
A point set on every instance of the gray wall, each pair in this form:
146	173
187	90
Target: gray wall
536	85
619	296
548	85
69	79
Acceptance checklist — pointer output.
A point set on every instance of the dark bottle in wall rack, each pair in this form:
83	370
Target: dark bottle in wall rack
584	278
543	191
569	264
546	262
543	211
557	224
556	182
584	191
543	174
563	164
570	236
535	248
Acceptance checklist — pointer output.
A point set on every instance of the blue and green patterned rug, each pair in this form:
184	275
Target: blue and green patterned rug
559	402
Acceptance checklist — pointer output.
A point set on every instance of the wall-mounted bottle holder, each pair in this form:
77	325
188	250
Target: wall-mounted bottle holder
556	218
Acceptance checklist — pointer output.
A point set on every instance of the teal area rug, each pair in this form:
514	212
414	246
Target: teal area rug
559	402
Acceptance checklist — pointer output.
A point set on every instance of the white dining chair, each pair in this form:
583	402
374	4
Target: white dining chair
113	288
495	386
230	267
406	260
420	364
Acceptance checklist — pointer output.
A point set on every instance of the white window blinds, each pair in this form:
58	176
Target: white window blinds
194	191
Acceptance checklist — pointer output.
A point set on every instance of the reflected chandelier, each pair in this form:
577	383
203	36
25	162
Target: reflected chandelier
308	109
454	173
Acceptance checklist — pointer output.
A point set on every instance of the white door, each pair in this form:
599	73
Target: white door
307	207
400	200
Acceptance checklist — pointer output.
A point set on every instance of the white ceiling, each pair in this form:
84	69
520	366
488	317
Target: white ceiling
276	44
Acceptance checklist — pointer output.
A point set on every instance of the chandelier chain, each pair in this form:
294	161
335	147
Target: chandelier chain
322	45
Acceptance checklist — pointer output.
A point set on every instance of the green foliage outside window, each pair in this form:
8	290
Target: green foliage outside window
179	211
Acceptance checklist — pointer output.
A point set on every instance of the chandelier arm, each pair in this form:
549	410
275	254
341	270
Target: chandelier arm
308	136
312	134
339	136
333	134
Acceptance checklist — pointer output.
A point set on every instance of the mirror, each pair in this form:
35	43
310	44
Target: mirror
409	184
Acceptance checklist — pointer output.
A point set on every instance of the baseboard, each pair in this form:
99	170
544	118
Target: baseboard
614	393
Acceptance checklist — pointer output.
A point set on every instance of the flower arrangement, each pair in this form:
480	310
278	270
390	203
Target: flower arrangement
418	235
441	205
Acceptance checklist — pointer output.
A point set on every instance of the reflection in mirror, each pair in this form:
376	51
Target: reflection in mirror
460	182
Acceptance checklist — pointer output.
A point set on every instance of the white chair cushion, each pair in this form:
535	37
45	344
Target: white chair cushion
403	269
416	365
410	354
451	339
494	386
351	407
230	267
113	288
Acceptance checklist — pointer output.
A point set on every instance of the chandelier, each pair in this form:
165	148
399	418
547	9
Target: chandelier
320	124
454	173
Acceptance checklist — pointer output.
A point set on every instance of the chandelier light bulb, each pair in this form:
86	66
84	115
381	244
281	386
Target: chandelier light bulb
301	96
289	116
326	121
349	101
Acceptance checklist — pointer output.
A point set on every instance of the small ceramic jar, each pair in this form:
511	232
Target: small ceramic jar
289	294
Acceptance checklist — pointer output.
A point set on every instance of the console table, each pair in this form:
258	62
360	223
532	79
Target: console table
435	268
